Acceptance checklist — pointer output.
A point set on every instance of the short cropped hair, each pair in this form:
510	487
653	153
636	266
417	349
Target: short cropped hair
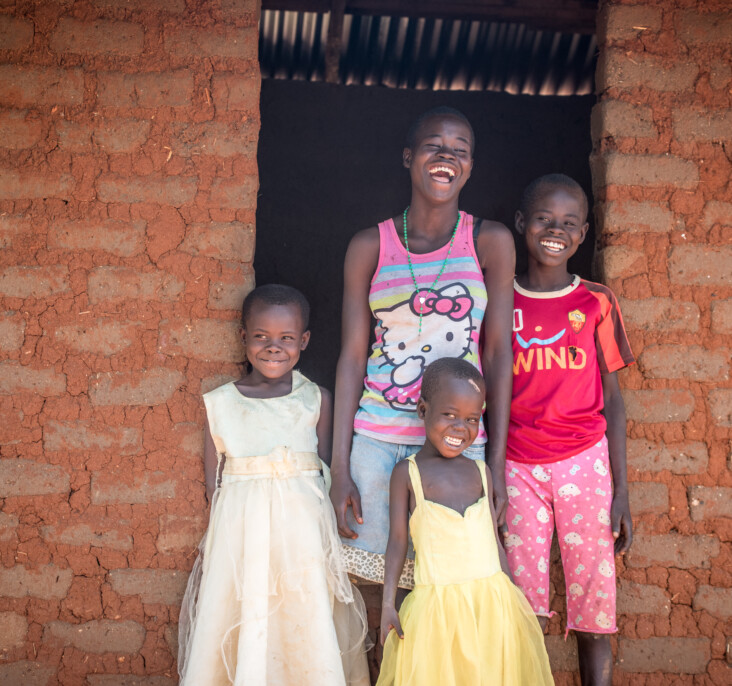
449	366
441	111
276	294
532	192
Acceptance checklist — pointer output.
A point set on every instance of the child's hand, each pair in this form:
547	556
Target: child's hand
389	621
622	524
344	494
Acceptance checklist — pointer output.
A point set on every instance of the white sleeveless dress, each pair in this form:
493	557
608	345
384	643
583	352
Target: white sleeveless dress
268	601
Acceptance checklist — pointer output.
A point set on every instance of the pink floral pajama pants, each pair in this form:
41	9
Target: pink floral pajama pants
574	494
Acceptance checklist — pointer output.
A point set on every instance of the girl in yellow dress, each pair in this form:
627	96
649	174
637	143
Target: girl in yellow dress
465	623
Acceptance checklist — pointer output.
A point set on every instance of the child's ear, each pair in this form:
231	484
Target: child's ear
407	158
583	232
421	407
243	335
519	222
305	340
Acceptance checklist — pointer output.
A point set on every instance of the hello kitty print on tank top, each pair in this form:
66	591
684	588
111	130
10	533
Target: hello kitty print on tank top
452	318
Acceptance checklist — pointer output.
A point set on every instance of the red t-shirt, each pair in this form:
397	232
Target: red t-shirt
562	343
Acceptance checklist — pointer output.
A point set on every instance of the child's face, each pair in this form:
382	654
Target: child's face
554	227
274	336
442	158
452	415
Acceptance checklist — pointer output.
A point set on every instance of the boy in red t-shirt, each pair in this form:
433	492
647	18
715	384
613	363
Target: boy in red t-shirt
566	442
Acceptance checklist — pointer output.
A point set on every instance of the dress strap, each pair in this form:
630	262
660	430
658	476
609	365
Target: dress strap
415	479
481	469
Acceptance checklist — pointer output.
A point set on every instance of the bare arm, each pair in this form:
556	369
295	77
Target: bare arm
501	551
614	412
396	547
360	264
498	261
210	462
324	427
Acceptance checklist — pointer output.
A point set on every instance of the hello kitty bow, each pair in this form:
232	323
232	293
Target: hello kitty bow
427	302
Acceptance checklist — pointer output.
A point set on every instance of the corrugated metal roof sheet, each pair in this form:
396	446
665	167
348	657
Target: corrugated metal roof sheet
429	53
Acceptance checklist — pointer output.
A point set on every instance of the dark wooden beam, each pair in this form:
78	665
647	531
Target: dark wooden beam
568	16
333	47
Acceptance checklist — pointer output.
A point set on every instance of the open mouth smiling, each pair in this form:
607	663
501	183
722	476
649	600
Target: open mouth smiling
453	442
442	173
552	245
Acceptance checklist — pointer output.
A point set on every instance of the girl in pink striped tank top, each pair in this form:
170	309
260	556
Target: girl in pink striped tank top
434	282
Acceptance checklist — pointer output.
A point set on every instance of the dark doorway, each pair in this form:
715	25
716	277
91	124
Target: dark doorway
330	164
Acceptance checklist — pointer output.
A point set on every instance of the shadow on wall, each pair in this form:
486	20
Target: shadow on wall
330	164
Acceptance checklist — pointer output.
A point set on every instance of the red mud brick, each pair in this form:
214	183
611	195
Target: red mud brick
120	238
167	89
108	488
685	362
653	406
8	524
716	601
236	92
17	131
178	533
23	185
213	138
188	439
637	217
231	242
236	193
98	534
622	23
678	458
12	334
33	282
648	498
642	599
118	283
99	37
706	502
26	477
129	679
660	314
562	654
717	213
167	7
74	137
86	436
121	135
618	169
166	190
241	8
616	69
164	586
205	339
13	629
33	86
219	41
45	582
148	387
673	550
103	336
15	33
695	28
27	673
97	636
720	74
621	261
722	316
15	378
618	119
701	265
13	227
670	655
229	296
693	125
720	406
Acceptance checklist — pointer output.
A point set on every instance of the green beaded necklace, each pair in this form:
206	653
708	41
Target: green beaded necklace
411	268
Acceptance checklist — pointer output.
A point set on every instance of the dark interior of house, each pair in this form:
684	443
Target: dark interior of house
342	82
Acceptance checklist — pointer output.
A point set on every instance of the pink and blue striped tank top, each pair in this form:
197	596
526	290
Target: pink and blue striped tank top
452	317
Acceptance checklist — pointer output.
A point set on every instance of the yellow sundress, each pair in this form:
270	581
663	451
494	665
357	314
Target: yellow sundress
465	623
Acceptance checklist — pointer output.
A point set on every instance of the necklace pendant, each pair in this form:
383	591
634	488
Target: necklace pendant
421	300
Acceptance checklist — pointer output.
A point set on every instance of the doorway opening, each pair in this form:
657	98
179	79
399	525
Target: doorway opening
343	80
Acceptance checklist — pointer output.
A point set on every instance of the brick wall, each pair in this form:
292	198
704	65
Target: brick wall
128	179
662	134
